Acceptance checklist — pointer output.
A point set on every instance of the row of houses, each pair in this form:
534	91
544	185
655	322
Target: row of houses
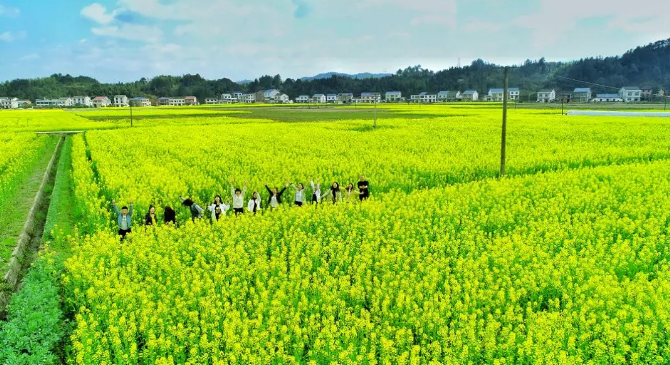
396	97
627	94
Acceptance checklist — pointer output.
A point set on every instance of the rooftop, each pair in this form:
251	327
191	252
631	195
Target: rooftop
582	90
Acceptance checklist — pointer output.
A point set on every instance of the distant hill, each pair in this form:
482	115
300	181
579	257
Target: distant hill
363	75
645	66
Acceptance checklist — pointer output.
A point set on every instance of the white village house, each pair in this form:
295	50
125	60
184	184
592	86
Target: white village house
630	94
177	101
238	96
424	97
191	100
345	97
101	102
470	95
318	98
393	96
302	99
82	100
331	98
227	98
282	99
9	103
443	96
546	96
497	94
582	94
368	97
607	98
211	101
120	101
140	101
54	103
249	98
270	96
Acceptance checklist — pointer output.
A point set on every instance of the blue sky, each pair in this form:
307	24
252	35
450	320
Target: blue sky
123	40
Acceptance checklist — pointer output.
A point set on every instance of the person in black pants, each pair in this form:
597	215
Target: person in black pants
363	189
275	196
124	218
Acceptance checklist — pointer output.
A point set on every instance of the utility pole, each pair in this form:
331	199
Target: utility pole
131	113
375	125
666	103
562	105
504	124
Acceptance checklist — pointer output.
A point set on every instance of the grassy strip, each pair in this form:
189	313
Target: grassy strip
35	325
60	219
34	321
16	209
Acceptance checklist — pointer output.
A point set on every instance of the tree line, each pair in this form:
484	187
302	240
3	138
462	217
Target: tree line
643	66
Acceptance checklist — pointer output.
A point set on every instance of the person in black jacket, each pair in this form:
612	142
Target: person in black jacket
275	196
170	216
363	188
150	218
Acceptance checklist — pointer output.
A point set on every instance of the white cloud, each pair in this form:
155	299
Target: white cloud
556	18
12	36
482	26
99	14
9	11
446	20
30	57
133	32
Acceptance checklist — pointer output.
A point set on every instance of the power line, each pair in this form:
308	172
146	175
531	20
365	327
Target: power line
590	83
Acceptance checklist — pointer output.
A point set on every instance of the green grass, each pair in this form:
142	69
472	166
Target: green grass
60	218
34	326
14	217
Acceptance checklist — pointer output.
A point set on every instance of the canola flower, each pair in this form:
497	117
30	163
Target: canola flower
20	153
158	164
566	267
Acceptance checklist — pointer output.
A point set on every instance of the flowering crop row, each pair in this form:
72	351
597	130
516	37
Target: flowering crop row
20	153
156	165
564	267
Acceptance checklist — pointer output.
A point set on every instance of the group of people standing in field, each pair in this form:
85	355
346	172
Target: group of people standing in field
218	208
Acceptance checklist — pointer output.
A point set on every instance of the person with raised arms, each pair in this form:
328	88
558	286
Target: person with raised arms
316	191
275	195
254	203
238	197
124	218
299	193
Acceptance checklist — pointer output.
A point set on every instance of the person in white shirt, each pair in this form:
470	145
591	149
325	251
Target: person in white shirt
335	192
254	204
238	197
275	196
299	193
316	191
218	209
